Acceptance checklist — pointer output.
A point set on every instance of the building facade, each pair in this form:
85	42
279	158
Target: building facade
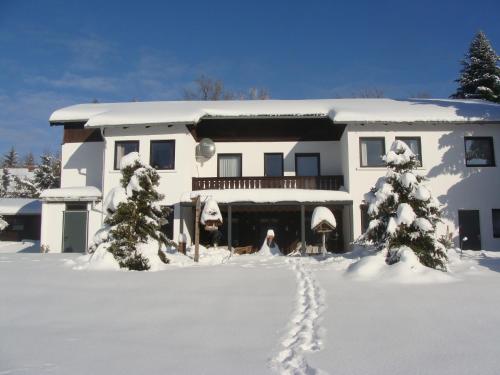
274	162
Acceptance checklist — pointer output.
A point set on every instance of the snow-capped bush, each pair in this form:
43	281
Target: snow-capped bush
402	212
3	224
132	228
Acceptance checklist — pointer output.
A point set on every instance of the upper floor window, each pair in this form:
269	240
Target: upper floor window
162	154
123	148
273	164
495	218
479	152
371	152
307	165
415	146
229	165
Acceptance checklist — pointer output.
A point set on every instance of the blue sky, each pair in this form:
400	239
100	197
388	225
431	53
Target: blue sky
57	53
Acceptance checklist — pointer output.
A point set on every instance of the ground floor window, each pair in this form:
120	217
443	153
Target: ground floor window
365	219
495	218
168	228
251	223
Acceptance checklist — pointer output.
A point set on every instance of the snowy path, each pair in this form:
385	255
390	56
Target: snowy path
303	330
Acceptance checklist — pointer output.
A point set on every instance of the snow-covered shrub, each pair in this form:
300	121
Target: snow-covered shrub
47	175
132	228
3	223
403	213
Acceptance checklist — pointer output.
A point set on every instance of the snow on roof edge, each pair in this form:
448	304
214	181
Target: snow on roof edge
338	110
268	196
20	206
74	193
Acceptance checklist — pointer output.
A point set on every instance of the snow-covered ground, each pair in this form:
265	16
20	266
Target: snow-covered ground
248	315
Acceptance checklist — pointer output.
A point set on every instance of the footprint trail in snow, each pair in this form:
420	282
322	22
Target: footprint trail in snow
303	329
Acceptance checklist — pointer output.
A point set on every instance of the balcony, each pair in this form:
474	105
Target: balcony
285	182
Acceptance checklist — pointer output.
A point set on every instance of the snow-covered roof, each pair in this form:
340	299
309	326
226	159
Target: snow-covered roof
20	206
339	110
269	195
77	193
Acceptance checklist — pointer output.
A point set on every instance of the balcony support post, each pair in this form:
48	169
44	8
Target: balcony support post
229	228
303	228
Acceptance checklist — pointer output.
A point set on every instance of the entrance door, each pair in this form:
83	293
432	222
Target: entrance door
75	231
469	229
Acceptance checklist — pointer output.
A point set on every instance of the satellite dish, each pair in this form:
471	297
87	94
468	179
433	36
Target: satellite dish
205	149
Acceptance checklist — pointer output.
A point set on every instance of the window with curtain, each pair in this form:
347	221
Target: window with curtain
162	154
307	165
229	165
273	164
479	152
495	218
415	146
123	148
371	152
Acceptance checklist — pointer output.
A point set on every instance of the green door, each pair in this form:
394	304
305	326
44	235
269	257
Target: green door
75	231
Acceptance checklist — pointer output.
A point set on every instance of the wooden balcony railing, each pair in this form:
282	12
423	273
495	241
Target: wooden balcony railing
285	182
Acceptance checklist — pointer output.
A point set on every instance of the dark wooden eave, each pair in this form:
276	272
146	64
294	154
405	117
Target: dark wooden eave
272	129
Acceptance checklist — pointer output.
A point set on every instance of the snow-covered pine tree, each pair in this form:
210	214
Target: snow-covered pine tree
11	158
25	188
47	175
480	74
403	213
134	224
5	183
29	161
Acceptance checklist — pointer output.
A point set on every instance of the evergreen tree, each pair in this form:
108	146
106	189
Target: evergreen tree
25	188
11	158
135	222
480	74
5	184
402	212
47	175
29	160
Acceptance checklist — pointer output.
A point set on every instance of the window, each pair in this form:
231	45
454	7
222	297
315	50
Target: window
495	218
273	165
479	152
162	154
307	165
123	148
76	206
229	165
415	146
365	219
371	152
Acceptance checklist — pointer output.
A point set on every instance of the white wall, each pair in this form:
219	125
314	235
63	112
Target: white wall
52	226
253	156
82	164
443	158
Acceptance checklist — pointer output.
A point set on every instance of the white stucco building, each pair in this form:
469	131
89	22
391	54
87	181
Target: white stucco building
275	161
